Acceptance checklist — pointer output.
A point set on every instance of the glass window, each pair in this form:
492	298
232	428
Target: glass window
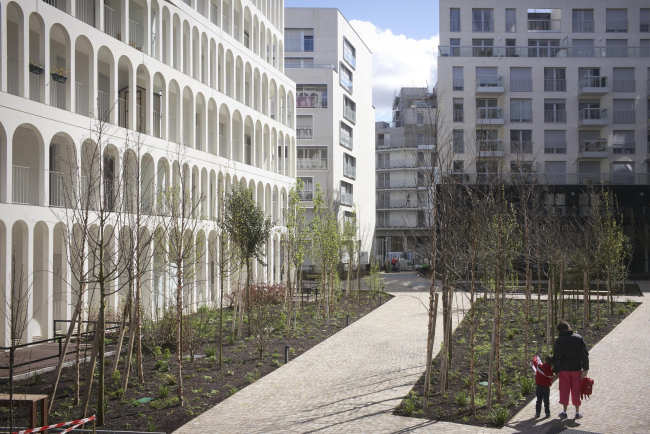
299	62
304	127
345	78
459	141
583	21
555	111
616	21
554	79
521	110
644	25
511	20
616	47
555	142
349	53
543	47
458	109
312	158
482	20
311	95
624	80
299	40
459	82
454	20
521	79
521	142
307	192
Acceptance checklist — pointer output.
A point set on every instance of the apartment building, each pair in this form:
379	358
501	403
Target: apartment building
332	68
557	89
203	75
403	152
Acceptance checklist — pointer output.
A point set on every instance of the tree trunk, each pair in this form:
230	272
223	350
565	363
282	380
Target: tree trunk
59	366
585	301
102	350
433	315
125	312
179	332
90	374
493	345
129	352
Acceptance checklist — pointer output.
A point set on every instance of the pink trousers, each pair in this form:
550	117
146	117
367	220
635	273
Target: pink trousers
570	381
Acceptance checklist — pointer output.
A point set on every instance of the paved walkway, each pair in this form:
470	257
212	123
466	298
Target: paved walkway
353	381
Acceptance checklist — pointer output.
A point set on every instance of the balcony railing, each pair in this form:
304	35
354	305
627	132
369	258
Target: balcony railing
459	84
470	51
346	140
349	114
583	26
299	44
489	81
618	26
347	199
489	113
395	184
35	86
396	203
57	189
349	171
136	35
346	83
312	164
86	11
112	22
483	25
624	148
317	100
625	85
306	194
590	84
624	116
81	99
489	146
555	116
304	133
521	147
157	124
544	25
13	76
103	106
57	94
555	147
24	185
555	85
592	114
596	145
459	116
309	65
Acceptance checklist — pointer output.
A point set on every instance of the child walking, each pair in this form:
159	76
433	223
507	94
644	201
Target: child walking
543	379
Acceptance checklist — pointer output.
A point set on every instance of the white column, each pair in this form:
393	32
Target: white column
28	252
72	79
148	127
4	70
48	302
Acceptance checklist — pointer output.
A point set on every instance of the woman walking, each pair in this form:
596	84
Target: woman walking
571	360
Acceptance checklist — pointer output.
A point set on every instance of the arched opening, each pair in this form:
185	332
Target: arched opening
110	182
187	34
176	43
247	28
273	101
226	11
159	121
212	64
248	141
19	277
247	85
200	122
224	131
144	100
106	86
239	80
290	105
147	185
156	30
62	169
221	69
113	25
90	180
204	59
196	54
188	110
162	184
138	25
213	125
15	49
60	275
265	95
130	181
166	37
37	74
126	89
40	300
237	139
257	90
84	72
174	110
27	166
258	145
230	74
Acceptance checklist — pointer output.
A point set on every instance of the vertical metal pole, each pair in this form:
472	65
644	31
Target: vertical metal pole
347	320
381	300
286	354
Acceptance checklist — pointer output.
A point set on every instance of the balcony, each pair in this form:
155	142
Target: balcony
24	185
350	114
81	106
544	26
57	190
312	164
350	171
555	116
397	223
555	147
624	148
593	117
571	52
112	23
347	199
489	116
306	195
490	148
397	203
304	133
345	140
157	124
489	85
396	184
593	149
592	86
624	116
136	35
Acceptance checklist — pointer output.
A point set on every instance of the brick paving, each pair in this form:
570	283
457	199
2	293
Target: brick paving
353	381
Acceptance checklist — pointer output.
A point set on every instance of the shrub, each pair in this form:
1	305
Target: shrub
118	393
166	355
253	376
410	404
527	385
161	366
499	416
461	398
232	391
157	352
170	379
210	352
37	378
116	376
163	391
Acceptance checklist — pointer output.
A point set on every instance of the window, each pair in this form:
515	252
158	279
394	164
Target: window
298	62
312	158
521	167
555	142
583	47
623	142
345	137
383	180
556	173
349	166
349	53
307	192
543	47
311	95
458	166
616	21
645	47
346	193
583	21
419	119
521	110
521	79
616	47
511	51
459	82
624	112
624	80
555	111
459	114
349	109
247	39
544	20
488	140
554	79
521	142
304	127
299	40
482	47
345	78
644	25
383	160
623	172
482	20
487	108
511	20
454	47
459	141
454	20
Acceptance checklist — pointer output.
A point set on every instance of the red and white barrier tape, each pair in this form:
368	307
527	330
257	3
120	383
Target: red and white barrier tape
75	424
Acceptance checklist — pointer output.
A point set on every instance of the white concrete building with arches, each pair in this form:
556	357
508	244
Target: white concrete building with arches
207	75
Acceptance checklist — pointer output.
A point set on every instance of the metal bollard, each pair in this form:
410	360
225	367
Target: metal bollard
347	320
286	354
381	300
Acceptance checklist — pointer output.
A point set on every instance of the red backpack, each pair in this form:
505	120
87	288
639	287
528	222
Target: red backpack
586	388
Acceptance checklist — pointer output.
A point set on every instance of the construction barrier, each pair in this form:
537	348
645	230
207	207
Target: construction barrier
74	423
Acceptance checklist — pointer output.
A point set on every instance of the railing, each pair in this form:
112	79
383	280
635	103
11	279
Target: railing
555	116
318	100
123	113
349	171
140	119
489	113
459	116
555	147
299	45
25	185
624	148
136	35
489	81
644	26
306	194
396	183
592	114
592	82
13	76
624	116
304	133
312	163
618	26
483	25
597	145
396	203
555	85
347	198
454	25
399	164
489	146
349	114
557	178
103	106
57	189
81	99
112	22
398	223
349	57
309	65
57	94
35	86
521	147
583	26
346	140
346	83
625	85
157	124
86	11
502	51
544	25
521	116
459	84
225	24
521	85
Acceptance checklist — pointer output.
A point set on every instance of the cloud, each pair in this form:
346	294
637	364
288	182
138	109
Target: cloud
397	61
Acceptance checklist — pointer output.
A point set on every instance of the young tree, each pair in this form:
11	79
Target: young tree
295	241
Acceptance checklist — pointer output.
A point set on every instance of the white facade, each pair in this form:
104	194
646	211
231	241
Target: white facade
208	75
332	68
557	87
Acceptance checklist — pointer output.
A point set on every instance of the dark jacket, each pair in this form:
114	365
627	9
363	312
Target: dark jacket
570	353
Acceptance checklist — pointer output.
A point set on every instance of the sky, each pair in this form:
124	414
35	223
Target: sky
403	40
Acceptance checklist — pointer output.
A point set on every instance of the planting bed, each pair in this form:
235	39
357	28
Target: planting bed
518	386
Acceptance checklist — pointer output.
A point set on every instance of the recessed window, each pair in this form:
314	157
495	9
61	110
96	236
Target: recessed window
307	191
349	166
312	158
304	127
616	21
349	53
298	62
299	40
345	78
311	95
511	20
583	21
459	141
454	20
483	20
349	109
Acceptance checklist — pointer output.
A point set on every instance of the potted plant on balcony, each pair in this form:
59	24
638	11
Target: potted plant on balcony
35	68
59	74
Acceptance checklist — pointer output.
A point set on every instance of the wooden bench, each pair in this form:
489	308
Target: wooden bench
24	400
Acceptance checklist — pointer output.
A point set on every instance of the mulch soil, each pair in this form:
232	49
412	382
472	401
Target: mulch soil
454	405
205	385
